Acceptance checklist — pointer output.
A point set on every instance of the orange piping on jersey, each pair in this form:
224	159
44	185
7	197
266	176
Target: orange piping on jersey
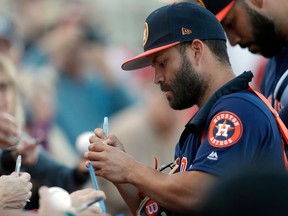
281	125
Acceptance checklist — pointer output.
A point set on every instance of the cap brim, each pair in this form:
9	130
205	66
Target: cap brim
141	61
220	16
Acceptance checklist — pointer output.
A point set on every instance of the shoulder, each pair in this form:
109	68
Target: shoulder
242	118
242	102
245	106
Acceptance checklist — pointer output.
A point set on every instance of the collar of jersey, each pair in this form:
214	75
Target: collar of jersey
197	122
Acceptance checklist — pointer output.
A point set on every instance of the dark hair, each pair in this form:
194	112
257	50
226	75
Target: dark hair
217	47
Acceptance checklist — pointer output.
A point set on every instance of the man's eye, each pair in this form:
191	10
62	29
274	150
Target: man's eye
229	24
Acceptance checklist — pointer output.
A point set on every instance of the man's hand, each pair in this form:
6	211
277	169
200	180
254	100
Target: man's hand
15	191
47	207
78	198
99	136
29	150
84	196
110	162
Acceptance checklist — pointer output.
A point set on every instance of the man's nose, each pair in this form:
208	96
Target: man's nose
158	77
233	38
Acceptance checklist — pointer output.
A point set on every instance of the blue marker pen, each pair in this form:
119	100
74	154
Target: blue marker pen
87	205
96	186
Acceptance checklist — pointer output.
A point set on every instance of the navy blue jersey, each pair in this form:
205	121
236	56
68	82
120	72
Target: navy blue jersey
240	132
235	131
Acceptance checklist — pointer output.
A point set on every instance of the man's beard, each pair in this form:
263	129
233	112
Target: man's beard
265	35
187	87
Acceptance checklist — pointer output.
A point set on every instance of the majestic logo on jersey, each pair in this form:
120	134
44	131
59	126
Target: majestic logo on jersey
213	156
225	129
145	34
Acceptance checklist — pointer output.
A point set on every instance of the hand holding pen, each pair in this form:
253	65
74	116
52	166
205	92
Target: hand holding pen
28	149
11	134
18	167
96	186
91	169
88	204
15	191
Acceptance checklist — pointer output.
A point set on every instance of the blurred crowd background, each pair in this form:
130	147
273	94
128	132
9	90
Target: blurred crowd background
68	55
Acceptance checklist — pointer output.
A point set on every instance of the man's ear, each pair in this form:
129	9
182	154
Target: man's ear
197	48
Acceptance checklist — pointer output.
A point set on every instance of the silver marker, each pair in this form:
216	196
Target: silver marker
18	165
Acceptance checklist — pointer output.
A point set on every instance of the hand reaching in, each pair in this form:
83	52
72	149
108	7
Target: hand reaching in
15	191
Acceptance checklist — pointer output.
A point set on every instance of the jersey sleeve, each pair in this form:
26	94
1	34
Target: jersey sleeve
240	133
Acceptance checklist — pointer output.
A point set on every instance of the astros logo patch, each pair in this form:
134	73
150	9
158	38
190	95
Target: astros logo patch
225	129
145	34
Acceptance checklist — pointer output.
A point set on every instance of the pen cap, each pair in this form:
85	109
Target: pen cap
18	165
105	126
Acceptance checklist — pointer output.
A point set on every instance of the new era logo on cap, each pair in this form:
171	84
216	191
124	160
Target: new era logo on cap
174	24
186	31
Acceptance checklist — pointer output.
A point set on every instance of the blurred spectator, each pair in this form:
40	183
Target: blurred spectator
10	43
76	203
33	17
84	82
84	94
39	105
38	164
67	62
14	191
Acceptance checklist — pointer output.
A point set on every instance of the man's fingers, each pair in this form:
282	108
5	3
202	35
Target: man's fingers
99	132
93	139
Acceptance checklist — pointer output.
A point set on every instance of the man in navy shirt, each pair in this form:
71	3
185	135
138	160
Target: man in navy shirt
233	129
261	27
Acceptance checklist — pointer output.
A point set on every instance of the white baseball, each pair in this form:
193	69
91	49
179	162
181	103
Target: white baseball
82	141
59	198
